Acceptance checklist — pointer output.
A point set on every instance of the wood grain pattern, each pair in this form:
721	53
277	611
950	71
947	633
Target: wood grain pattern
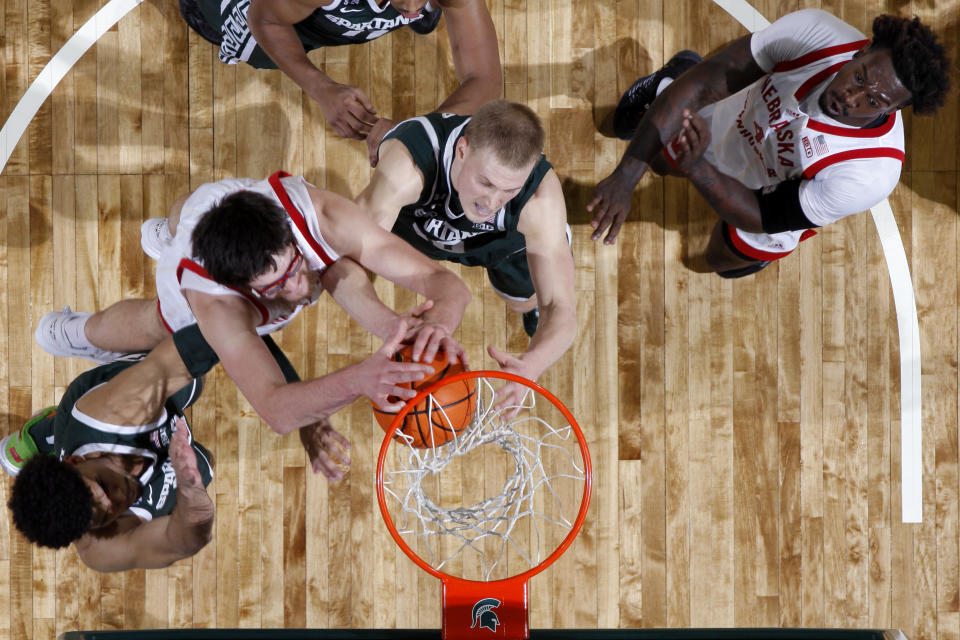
745	435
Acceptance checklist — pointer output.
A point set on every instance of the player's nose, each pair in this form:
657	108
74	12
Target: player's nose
852	97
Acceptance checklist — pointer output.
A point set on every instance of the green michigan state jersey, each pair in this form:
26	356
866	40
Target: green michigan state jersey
71	432
337	23
435	224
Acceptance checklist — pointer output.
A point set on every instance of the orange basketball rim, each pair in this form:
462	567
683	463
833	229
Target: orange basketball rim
485	553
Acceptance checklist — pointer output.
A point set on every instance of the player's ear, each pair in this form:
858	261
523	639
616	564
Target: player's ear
463	145
74	460
865	49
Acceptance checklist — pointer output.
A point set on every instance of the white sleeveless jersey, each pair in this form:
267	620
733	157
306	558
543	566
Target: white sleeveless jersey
774	129
178	271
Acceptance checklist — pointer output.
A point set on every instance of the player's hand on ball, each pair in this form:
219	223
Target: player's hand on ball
326	448
379	375
431	338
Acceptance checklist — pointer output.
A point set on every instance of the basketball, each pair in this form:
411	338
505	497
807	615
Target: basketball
433	422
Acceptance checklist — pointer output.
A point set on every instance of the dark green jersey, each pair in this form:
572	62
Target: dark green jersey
71	432
336	23
436	224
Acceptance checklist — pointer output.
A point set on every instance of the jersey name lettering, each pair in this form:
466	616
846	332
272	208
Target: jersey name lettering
169	480
377	24
442	234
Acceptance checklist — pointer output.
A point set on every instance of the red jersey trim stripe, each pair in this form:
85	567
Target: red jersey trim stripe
162	319
853	154
297	217
760	254
872	132
817	78
189	265
819	54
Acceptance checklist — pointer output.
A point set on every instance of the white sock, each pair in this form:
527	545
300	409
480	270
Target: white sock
663	85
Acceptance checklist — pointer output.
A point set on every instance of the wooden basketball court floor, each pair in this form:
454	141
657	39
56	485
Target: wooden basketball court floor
745	435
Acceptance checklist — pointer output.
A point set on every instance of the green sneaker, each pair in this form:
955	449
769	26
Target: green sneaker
18	447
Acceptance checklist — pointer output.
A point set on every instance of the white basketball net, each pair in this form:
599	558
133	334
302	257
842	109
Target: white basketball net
499	535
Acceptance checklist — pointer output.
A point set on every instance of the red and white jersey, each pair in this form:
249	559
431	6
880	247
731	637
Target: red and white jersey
774	129
178	271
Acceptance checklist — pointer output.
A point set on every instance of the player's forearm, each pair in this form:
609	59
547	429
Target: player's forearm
299	404
473	92
700	86
555	333
281	43
734	203
349	285
190	526
450	298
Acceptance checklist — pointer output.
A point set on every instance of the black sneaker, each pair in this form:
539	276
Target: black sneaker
750	269
428	22
637	99
195	20
530	321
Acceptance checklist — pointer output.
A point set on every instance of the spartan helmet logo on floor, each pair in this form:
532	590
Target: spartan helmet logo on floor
483	613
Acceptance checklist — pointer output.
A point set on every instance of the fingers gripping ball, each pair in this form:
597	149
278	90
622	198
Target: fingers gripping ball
438	417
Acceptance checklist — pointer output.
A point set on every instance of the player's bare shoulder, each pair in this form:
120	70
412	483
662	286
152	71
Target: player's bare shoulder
397	164
546	209
222	311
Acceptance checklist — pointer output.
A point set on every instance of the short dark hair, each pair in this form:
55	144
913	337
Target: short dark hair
918	60
51	504
510	129
240	237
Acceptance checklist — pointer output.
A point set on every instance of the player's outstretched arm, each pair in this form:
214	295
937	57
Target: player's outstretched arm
228	323
476	60
717	77
347	109
543	224
349	285
359	237
162	541
476	56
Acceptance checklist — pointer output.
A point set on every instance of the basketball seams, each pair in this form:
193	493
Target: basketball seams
455	403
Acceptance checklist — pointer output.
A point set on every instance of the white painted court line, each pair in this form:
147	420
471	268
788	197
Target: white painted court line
908	327
51	75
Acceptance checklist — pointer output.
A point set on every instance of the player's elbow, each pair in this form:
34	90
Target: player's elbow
564	314
281	424
486	84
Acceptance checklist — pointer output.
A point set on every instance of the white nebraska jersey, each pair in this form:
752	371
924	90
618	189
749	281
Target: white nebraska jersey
774	130
177	271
